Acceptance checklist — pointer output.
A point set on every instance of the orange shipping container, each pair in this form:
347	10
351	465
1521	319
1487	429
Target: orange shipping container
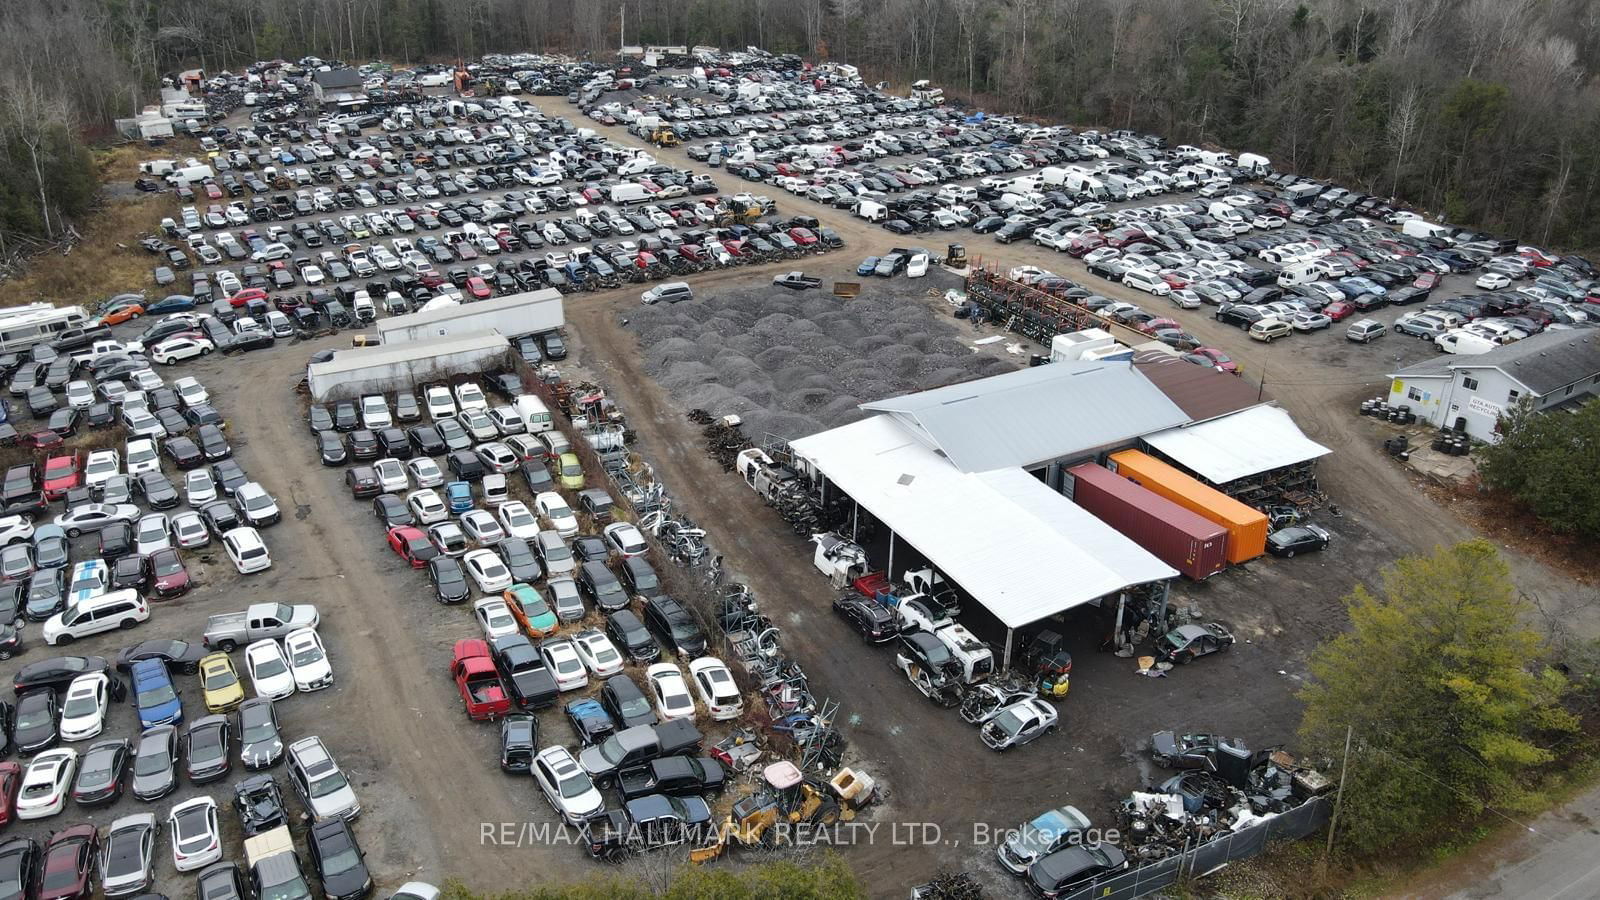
1247	528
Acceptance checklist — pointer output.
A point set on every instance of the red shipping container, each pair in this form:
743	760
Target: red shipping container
1186	541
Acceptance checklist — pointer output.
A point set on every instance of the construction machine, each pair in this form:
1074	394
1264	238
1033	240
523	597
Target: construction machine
664	137
767	817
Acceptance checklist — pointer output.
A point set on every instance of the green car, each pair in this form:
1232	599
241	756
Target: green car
531	611
571	472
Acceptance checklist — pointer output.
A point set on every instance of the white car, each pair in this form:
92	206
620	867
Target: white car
180	347
143	456
425	504
717	690
517	520
45	783
670	693
917	266
495	618
100	465
83	712
469	397
199	488
190	531
425	472
564	663
626	539
481	527
566	786
191	392
20	528
448	538
196	840
1493	281
554	509
375	412
487	570
80	394
497	457
153	532
1019	723
246	549
599	655
269	670
438	402
308	659
391	476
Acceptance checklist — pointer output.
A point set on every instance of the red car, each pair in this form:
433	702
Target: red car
482	691
42	440
1427	281
61	474
1218	359
1082	245
168	577
68	860
245	296
478	288
10	781
802	236
1339	309
411	545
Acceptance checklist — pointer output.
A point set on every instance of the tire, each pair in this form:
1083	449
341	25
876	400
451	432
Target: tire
128	623
169	361
63	640
192	669
5	654
228	646
205	351
1288	554
74	533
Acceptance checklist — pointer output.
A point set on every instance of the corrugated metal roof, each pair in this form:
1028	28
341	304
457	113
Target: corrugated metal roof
1034	415
1022	550
476	307
356	359
1200	391
1255	440
1543	362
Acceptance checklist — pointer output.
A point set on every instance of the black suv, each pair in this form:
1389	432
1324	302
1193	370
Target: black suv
675	626
628	633
601	586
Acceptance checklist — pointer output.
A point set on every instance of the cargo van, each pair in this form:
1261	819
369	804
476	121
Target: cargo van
535	415
1464	343
629	193
872	211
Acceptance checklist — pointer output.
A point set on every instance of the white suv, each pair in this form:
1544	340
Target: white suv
247	551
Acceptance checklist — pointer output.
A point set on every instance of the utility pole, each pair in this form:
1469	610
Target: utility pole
622	33
1261	389
1338	801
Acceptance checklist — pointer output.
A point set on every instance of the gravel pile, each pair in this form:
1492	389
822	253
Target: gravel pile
793	364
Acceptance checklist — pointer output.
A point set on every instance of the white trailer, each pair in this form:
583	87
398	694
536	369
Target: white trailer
531	312
375	370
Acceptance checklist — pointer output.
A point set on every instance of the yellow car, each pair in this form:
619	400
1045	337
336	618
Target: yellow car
220	682
571	471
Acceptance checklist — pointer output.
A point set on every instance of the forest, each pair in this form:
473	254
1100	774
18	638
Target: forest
1481	112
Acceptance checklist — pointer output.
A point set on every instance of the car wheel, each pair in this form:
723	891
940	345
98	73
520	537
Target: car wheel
228	646
128	623
73	532
1288	554
1184	658
5	654
63	640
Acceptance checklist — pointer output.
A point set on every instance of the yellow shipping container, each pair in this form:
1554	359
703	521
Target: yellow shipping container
1247	527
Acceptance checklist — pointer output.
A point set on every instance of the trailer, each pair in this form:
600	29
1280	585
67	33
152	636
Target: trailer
1186	541
530	312
388	367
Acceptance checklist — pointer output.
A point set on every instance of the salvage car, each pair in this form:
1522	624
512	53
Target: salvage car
1019	723
1286	542
1187	643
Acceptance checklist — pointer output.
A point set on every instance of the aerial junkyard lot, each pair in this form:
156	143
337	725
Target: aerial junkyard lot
565	553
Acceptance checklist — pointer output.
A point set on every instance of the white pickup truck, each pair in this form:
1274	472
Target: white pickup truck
262	620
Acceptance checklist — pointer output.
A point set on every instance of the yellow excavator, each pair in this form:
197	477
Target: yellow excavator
664	137
787	797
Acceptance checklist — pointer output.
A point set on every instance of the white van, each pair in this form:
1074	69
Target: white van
1464	343
1148	282
93	615
1303	272
872	211
629	193
535	415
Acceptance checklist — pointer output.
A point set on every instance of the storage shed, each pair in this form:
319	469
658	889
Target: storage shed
529	312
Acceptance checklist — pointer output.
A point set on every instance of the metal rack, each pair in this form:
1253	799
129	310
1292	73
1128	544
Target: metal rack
1025	309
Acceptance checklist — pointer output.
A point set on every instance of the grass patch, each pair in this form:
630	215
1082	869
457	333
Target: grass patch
107	261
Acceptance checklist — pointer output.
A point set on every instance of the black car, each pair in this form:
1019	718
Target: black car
523	670
221	881
639	579
130	572
331	449
212	443
38	722
449	579
319	418
157	491
590	721
203	414
345	416
338	860
590	548
554	346
675	776
465	465
260	739
184	453
363	482
518	741
116	539
1187	643
180	656
1064	869
393	512
1297	539
20	862
626	703
872	620
600	584
538	477
100	771
259	803
220	517
229	476
12	598
394	443
426	440
100	415
675	626
520	559
253	339
629	634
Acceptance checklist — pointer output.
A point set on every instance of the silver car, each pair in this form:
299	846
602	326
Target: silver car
319	781
155	763
126	855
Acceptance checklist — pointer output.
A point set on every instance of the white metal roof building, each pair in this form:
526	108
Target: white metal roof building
528	312
1019	548
1239	445
354	372
1034	416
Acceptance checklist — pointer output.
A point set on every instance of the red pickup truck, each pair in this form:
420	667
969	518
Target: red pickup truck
480	686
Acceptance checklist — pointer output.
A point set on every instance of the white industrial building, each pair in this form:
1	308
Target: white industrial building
371	370
1471	393
529	312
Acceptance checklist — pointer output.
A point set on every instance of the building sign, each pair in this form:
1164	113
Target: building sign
1484	408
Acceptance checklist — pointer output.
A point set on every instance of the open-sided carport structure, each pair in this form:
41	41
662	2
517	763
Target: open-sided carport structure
959	475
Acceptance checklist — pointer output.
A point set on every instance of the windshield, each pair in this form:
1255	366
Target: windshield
343	861
36	716
81	705
152	759
329	783
157	694
577	785
305	654
216	679
557	552
558	512
270	667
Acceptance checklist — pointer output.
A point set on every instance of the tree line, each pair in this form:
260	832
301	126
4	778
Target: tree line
1482	112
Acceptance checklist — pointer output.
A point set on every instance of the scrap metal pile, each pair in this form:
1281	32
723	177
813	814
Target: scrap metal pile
769	474
1226	787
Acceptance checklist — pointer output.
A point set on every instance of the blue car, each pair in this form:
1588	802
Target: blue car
867	266
171	304
154	694
459	495
590	720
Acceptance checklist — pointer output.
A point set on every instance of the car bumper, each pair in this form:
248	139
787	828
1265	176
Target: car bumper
318	684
